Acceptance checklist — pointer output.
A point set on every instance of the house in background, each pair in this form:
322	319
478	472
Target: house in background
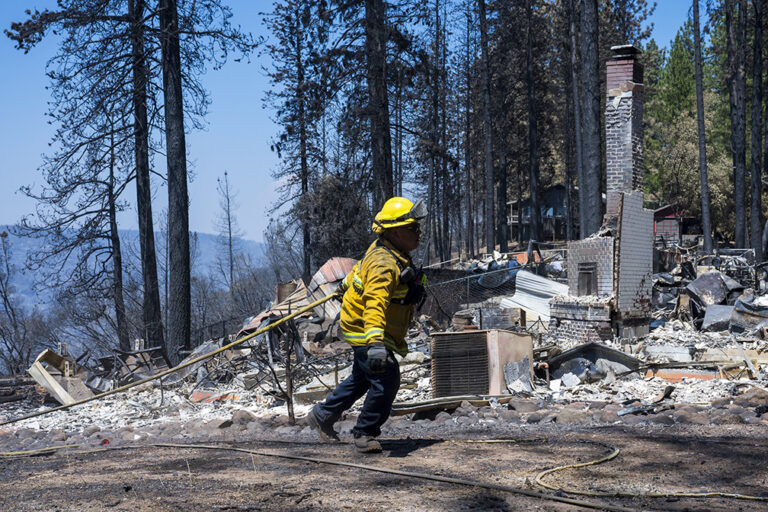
670	226
551	209
666	224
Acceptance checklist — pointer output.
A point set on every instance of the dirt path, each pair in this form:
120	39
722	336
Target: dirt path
663	459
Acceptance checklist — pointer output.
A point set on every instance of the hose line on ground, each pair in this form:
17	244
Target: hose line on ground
365	467
613	453
624	494
174	369
39	451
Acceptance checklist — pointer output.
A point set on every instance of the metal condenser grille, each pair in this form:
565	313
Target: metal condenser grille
459	364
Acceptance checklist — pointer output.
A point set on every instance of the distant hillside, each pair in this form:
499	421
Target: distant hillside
205	258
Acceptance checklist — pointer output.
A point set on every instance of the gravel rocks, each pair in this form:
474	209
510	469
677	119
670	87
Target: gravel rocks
242	426
242	417
535	417
574	416
91	430
218	424
522	406
661	419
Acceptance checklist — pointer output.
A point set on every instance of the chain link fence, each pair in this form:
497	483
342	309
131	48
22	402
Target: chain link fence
448	291
446	297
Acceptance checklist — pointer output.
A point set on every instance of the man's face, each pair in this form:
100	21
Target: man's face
405	238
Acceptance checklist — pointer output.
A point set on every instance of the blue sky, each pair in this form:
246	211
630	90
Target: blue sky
236	139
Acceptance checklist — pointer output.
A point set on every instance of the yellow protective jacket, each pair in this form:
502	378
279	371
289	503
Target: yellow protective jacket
367	313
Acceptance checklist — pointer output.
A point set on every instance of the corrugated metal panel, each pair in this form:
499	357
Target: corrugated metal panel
335	269
534	292
325	281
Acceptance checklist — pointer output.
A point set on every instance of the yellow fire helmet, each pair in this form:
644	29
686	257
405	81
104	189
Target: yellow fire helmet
396	212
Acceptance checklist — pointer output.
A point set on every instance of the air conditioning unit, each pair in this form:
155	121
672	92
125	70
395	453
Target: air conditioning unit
472	362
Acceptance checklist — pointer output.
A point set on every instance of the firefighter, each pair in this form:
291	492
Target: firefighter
379	295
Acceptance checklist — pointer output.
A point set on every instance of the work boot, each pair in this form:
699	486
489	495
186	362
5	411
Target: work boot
367	444
325	430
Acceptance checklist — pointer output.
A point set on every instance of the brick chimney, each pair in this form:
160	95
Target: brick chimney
623	126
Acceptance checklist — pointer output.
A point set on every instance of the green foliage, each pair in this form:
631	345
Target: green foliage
678	86
671	135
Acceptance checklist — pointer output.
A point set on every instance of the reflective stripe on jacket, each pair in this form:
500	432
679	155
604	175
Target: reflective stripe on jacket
367	315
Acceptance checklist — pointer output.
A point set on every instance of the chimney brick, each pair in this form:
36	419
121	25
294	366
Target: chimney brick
623	69
623	126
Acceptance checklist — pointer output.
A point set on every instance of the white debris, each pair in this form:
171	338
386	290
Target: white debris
584	300
145	408
689	391
570	380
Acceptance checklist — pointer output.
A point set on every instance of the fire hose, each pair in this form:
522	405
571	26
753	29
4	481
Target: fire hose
365	467
176	368
613	453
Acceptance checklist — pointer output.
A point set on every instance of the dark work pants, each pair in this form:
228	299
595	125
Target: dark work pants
381	388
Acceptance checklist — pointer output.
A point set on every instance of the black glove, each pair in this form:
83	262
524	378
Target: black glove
338	293
377	357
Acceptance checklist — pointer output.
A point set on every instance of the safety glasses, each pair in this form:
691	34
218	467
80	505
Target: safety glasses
415	227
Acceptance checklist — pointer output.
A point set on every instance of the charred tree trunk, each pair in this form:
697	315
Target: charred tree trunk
590	122
756	184
378	107
446	235
153	325
533	157
469	207
568	130
577	118
434	184
302	111
764	238
431	231
519	204
178	199
569	165
485	84
117	257
706	223
398	160
737	86
502	199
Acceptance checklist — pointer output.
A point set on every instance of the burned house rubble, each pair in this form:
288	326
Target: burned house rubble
609	273
604	330
497	352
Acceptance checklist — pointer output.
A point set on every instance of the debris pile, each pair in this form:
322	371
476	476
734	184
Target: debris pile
707	340
546	262
280	373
